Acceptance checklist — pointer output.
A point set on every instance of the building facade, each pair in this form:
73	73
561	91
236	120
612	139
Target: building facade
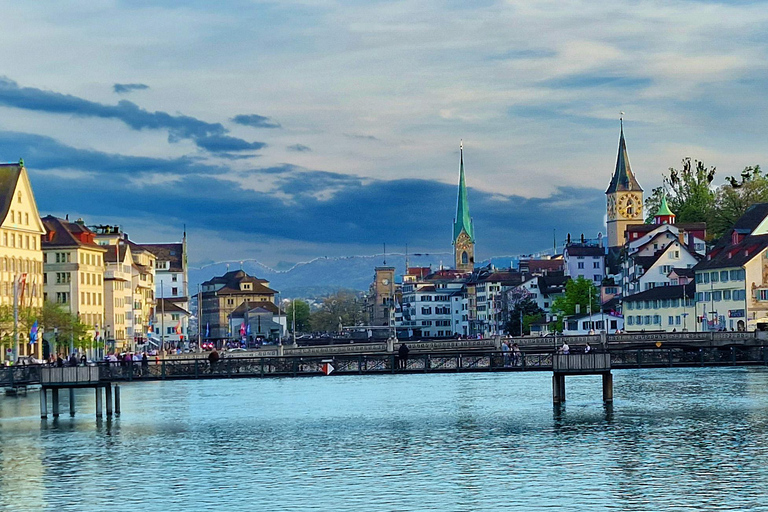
21	256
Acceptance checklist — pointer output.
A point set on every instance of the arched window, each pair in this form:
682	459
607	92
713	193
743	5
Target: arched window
464	258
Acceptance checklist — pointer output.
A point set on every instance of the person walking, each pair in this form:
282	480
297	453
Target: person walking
516	354
587	348
505	351
565	349
213	358
402	356
144	364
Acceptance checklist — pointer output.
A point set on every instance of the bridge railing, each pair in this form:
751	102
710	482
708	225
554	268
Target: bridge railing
69	375
23	375
582	363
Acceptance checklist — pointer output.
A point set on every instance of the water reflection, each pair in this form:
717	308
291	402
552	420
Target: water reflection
674	439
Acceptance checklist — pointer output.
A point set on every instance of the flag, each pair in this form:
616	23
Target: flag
242	329
178	327
248	329
33	333
207	329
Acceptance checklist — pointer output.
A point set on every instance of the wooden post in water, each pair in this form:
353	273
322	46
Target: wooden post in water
117	399
71	401
108	397
608	387
558	388
55	400
43	403
99	413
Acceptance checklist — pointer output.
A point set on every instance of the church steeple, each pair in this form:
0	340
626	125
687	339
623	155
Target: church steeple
623	177
463	229
624	197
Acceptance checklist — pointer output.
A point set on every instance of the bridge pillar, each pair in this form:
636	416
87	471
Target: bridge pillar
117	399
71	401
99	412
608	387
43	403
55	400
558	388
108	397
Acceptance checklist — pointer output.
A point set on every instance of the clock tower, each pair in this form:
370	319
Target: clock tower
463	227
624	197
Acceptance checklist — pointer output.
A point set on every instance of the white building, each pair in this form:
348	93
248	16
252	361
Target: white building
667	308
593	324
584	260
435	306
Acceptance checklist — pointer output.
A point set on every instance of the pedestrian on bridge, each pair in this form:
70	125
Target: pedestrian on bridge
402	355
565	349
213	358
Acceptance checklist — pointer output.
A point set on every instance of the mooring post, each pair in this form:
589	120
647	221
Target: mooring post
562	388
55	400
108	397
71	401
608	387
43	403
98	402
117	399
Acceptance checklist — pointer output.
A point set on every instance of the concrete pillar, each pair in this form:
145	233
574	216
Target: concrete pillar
43	403
280	351
55	400
108	397
71	401
99	413
117	399
390	344
607	387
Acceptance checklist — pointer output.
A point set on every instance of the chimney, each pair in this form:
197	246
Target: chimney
600	240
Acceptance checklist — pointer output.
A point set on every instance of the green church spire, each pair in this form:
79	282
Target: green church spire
663	208
462	221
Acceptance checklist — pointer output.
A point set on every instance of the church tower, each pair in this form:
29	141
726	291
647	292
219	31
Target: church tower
463	229
624	197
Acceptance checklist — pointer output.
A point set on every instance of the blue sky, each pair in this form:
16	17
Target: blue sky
282	131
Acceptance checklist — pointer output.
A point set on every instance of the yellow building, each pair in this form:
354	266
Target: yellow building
74	271
21	258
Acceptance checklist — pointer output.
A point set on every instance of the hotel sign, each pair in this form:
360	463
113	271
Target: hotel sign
736	313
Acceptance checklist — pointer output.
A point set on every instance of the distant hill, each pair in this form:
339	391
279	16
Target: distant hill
322	276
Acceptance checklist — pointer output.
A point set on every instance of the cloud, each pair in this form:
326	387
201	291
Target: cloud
300	148
41	152
126	88
361	136
209	136
255	121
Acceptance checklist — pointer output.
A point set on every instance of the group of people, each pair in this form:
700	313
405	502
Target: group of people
566	349
512	354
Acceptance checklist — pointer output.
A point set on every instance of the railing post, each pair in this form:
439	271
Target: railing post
426	362
733	356
162	372
196	370
130	370
701	356
261	370
295	366
392	362
669	356
639	358
360	363
229	368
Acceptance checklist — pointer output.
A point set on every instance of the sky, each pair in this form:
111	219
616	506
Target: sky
284	131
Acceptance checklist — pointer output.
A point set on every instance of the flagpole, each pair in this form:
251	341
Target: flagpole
162	316
199	320
15	354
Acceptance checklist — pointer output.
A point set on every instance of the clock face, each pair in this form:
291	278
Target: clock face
611	207
630	206
385	282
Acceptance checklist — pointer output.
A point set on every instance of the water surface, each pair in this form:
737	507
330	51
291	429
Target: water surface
675	439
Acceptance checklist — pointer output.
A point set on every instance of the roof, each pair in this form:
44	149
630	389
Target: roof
584	250
663	208
462	221
734	255
173	253
751	218
685	226
251	305
663	292
111	255
623	178
9	177
683	272
62	233
232	280
168	306
549	285
507	277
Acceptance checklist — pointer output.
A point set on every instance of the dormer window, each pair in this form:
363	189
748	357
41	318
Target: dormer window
246	286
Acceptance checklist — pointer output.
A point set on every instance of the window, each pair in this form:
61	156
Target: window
580	265
715	276
726	294
639	304
631	320
739	295
26	219
596	264
706	277
426	311
671	320
699	278
717	296
699	296
724	276
639	320
630	305
174	291
597	278
174	277
762	295
707	296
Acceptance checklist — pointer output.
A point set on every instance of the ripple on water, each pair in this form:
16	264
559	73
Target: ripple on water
676	439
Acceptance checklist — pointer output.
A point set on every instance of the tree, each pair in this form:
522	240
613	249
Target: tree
689	193
343	307
302	315
529	311
580	297
735	197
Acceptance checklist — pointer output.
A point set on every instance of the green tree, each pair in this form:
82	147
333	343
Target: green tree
343	307
580	297
302	315
689	193
736	196
529	311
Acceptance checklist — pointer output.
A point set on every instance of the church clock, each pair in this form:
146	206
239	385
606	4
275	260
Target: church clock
630	206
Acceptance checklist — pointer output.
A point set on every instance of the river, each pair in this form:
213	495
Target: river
675	439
